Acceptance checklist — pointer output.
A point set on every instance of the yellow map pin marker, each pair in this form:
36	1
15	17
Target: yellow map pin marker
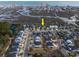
43	23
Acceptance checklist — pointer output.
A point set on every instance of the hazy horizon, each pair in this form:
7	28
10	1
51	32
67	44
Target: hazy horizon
35	3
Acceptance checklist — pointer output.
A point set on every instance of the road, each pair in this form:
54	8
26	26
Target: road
27	45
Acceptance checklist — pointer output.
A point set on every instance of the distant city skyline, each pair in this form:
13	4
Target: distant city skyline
35	3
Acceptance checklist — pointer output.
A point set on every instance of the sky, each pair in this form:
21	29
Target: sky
51	3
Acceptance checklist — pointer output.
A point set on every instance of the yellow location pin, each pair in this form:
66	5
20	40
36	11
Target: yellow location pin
43	23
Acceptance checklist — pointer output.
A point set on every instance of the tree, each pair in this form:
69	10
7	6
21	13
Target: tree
4	27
